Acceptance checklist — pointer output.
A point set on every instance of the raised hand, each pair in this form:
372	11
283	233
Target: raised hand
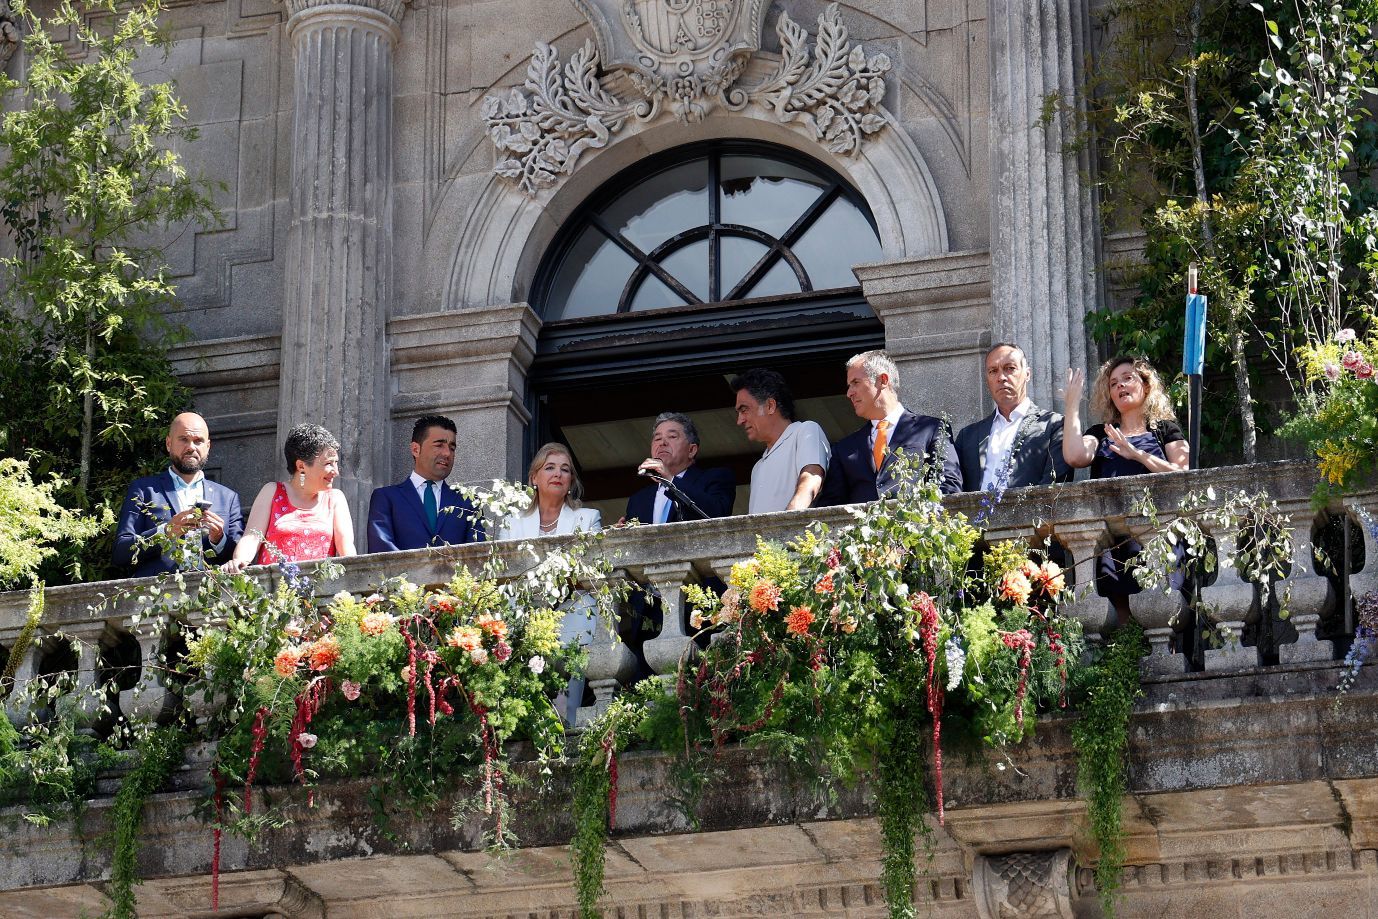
1073	387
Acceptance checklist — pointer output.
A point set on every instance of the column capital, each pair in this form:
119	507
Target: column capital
389	13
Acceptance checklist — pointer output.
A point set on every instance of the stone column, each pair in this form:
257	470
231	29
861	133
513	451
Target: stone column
1044	235
339	261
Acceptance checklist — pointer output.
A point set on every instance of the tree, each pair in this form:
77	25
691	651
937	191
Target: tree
91	175
1311	168
1172	80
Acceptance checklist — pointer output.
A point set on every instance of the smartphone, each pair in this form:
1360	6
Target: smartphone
203	506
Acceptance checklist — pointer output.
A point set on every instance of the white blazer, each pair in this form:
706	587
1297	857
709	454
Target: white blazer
528	525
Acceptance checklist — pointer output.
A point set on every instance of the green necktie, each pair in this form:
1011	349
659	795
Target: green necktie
429	505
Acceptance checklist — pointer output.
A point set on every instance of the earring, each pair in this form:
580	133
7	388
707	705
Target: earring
301	479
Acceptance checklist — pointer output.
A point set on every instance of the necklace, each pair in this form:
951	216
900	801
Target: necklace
549	527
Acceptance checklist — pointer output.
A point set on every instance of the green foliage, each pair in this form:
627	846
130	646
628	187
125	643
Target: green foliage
33	523
90	180
156	757
23	640
1101	738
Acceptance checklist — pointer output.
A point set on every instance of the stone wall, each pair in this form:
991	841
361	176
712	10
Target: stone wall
372	266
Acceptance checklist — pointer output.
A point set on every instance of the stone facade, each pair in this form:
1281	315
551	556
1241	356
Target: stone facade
374	265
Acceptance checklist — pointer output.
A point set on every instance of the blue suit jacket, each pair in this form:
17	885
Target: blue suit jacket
148	504
851	479
713	490
397	520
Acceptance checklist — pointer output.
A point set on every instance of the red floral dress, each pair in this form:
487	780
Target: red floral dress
299	535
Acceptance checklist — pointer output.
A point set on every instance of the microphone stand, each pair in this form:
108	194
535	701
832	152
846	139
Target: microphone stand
675	495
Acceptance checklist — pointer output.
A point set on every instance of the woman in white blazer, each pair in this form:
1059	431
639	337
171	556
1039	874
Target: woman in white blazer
555	511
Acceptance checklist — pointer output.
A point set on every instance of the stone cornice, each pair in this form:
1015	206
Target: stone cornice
394	10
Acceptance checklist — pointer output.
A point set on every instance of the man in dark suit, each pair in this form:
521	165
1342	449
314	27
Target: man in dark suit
863	463
674	449
1019	444
178	502
422	510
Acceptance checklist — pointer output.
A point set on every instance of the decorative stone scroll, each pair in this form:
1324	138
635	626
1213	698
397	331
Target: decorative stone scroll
1032	885
541	128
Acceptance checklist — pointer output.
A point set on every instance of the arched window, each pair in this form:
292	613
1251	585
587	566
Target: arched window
723	223
685	269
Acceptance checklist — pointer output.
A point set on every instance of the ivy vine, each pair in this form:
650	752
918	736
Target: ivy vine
157	755
1101	739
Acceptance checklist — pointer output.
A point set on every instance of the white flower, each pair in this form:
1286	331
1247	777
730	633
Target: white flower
1345	335
537	664
306	740
479	656
956	662
696	620
342	596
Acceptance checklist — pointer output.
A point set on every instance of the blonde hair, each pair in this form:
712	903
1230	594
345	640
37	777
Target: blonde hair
1157	406
576	487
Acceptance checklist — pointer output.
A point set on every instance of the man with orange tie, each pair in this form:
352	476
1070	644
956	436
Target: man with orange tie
862	466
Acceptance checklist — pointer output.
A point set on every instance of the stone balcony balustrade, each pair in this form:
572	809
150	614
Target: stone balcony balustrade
1243	773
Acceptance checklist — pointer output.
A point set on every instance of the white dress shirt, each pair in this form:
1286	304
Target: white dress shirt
1001	442
421	484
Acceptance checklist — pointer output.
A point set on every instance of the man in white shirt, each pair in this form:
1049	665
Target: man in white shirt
1019	444
790	472
422	510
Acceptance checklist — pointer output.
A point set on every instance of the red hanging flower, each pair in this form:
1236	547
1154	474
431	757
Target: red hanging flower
1023	642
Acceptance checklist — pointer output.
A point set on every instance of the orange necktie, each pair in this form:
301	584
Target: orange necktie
878	451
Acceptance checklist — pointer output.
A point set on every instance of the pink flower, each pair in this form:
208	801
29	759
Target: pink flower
536	665
502	652
307	741
1351	360
1345	335
479	656
1332	371
350	689
1364	371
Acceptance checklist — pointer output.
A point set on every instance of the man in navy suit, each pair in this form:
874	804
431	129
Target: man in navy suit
674	449
422	510
178	502
862	467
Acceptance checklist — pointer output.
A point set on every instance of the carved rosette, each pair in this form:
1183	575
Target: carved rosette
687	58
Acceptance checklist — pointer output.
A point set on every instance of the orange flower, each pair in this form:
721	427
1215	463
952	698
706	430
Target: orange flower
1015	586
824	585
765	596
492	624
1051	578
323	652
849	625
375	623
466	638
287	661
1029	569
799	620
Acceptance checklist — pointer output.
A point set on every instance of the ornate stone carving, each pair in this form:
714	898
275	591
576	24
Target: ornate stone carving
688	56
1031	885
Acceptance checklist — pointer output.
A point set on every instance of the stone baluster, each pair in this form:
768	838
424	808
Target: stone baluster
1159	610
339	242
1048	885
17	703
150	699
1044	235
1229	603
611	665
89	638
665	651
1306	595
1366	580
1088	607
722	567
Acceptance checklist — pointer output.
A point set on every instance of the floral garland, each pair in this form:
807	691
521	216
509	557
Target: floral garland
849	651
1339	418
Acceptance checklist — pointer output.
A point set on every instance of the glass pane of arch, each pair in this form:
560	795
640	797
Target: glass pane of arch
722	221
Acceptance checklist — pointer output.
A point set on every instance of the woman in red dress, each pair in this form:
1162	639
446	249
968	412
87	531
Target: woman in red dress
304	518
